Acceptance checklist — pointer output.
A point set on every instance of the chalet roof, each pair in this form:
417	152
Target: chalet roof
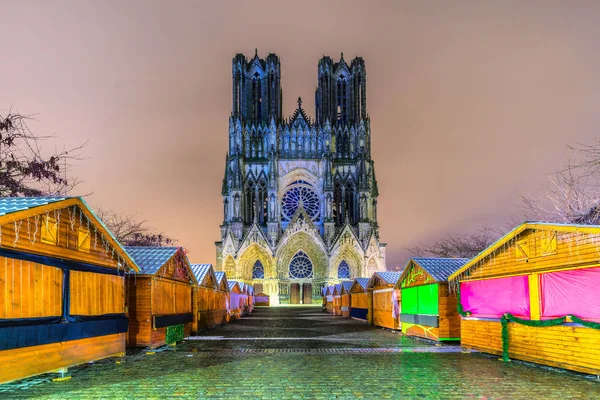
439	268
13	204
232	284
219	275
200	271
9	206
389	277
337	288
362	282
594	229
150	259
346	285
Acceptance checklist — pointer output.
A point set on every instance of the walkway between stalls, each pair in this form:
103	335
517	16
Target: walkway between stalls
302	352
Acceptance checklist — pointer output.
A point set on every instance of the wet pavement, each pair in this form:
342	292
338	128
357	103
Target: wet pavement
301	352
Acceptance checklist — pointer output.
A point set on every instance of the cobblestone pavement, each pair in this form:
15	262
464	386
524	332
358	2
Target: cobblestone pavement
289	353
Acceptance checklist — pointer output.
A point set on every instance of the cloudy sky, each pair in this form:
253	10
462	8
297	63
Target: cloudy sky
472	103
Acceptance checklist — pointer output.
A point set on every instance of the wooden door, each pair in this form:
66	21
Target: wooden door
295	293
307	293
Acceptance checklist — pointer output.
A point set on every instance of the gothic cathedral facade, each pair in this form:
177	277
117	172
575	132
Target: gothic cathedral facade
299	194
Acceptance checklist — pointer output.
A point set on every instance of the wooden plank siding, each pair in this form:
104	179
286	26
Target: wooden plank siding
574	249
29	290
30	361
570	347
346	305
382	309
96	294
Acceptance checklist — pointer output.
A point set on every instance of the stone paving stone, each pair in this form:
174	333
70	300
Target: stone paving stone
244	363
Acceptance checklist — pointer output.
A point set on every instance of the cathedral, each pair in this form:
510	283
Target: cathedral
299	194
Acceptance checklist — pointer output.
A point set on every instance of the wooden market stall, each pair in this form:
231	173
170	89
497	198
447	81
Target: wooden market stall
160	296
62	287
337	299
262	300
236	301
359	298
329	299
205	307
533	296
251	298
428	307
385	299
345	298
221	311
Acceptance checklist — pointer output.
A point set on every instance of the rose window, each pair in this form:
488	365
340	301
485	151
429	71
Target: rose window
300	193
301	267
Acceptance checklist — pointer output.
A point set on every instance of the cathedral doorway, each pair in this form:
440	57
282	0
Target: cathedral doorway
301	293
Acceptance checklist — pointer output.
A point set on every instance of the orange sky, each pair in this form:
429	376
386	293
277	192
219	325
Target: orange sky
471	102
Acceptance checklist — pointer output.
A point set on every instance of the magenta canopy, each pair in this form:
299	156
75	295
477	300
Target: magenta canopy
492	298
574	292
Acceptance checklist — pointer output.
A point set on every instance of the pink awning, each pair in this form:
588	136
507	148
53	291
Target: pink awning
573	292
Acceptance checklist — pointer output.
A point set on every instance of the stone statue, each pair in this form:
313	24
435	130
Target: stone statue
328	207
272	207
236	207
363	208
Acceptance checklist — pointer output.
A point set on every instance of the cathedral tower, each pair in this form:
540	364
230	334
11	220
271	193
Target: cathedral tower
299	195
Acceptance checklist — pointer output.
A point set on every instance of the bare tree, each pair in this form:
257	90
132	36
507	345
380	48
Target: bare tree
131	231
570	196
24	170
462	246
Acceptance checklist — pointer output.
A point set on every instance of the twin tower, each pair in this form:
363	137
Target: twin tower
299	194
340	96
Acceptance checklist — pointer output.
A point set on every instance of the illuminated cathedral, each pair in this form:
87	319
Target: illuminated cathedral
299	194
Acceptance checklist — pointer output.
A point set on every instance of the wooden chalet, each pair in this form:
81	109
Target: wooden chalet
337	299
160	296
385	299
262	300
251	298
329	299
205	307
236	301
540	283
428	307
345	298
359	299
221	312
62	287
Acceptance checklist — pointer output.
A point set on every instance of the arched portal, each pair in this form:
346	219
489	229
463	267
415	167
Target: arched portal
301	269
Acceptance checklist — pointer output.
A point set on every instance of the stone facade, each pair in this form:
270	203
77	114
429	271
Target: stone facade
299	195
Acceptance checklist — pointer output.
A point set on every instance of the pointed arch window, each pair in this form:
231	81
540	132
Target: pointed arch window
301	267
257	96
258	271
341	99
343	270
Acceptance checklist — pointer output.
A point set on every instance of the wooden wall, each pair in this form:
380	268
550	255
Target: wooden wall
337	305
570	249
569	347
96	294
29	290
360	300
155	296
29	361
382	309
346	305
